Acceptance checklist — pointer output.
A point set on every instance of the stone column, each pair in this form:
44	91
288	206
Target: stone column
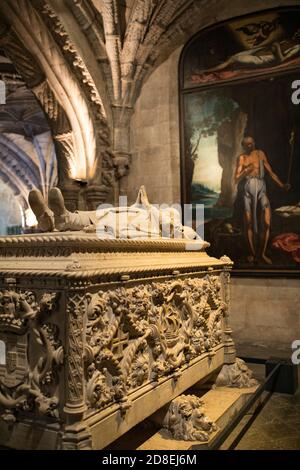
122	118
230	351
74	378
70	191
95	195
122	162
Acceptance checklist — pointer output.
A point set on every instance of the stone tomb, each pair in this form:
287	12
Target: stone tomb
99	334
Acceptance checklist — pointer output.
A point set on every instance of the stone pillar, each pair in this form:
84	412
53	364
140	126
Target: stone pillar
75	405
95	195
122	118
230	351
122	162
70	192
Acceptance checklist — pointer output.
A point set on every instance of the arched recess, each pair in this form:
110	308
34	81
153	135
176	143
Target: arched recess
27	154
38	55
33	76
17	161
13	213
237	80
22	172
16	173
20	188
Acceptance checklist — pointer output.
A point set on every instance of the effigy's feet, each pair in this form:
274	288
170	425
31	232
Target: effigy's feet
42	212
57	205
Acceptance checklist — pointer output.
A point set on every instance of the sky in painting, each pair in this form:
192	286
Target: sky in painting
207	170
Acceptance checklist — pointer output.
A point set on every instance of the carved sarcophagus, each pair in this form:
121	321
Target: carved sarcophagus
96	335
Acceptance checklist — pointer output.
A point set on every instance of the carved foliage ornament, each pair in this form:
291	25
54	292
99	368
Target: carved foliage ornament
33	353
75	309
142	333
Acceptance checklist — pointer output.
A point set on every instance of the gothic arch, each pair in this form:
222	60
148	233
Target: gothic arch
19	162
63	86
15	181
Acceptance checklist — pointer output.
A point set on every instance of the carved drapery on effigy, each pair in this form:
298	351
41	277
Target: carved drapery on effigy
33	354
139	334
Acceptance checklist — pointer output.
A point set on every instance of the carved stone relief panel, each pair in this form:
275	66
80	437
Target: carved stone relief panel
139	334
33	354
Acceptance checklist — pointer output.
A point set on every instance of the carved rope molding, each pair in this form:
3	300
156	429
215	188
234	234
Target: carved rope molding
81	239
111	274
69	50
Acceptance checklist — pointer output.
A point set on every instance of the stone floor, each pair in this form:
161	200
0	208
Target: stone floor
275	427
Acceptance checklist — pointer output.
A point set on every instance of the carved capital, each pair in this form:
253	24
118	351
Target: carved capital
122	162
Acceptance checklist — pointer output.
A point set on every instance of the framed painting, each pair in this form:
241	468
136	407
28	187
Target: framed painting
240	139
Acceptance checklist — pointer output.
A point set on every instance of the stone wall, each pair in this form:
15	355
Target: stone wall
265	312
155	136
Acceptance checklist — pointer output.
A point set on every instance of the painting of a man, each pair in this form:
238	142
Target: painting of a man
251	167
241	141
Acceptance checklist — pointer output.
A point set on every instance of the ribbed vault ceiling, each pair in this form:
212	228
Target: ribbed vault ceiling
27	157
